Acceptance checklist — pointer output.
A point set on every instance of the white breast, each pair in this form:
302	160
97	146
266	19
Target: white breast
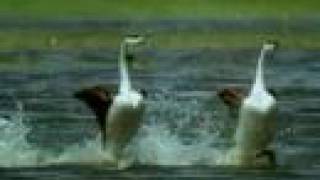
257	122
124	117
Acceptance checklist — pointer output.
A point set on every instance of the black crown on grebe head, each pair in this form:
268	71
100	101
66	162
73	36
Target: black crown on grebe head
271	44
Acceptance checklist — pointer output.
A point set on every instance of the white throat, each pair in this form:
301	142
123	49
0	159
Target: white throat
259	96
259	86
125	85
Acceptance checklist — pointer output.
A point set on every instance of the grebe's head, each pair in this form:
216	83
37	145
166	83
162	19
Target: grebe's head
134	40
270	45
131	42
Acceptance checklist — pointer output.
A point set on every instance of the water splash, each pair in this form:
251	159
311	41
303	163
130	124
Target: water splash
176	131
15	151
181	132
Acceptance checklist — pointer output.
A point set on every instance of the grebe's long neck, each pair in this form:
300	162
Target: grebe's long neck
125	84
259	79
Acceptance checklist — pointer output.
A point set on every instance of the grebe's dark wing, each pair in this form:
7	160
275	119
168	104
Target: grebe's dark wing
99	100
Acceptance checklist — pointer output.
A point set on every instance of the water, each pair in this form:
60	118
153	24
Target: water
186	130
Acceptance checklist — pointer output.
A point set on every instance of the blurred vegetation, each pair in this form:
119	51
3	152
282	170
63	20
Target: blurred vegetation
146	9
40	39
46	38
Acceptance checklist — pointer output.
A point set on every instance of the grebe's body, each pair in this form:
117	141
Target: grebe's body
119	116
257	120
124	119
126	111
256	128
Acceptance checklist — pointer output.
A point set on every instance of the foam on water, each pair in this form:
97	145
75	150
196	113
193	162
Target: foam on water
182	133
176	131
14	149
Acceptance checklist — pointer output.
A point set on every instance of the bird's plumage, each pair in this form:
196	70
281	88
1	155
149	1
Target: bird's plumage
99	100
119	116
257	121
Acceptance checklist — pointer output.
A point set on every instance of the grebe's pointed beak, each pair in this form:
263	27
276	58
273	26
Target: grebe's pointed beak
134	40
271	45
